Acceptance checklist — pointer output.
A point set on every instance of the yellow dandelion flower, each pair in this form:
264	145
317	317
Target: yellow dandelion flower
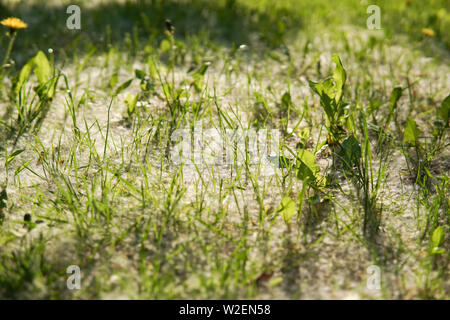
428	32
14	23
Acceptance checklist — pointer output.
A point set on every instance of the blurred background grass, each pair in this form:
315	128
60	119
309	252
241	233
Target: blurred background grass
139	24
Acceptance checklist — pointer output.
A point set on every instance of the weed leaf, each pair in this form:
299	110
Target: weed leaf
139	74
287	208
23	76
412	132
306	165
350	152
325	90
395	96
131	101
444	110
339	76
123	86
165	46
437	238
43	71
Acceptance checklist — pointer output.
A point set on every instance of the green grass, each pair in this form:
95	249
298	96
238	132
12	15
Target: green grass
88	177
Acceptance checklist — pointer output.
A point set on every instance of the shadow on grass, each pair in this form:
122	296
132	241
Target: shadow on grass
142	23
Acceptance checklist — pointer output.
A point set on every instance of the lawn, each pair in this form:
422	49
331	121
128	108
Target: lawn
225	149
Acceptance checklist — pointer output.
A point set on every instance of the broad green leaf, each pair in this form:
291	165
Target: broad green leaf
287	208
123	86
286	101
325	90
395	96
131	101
339	76
349	124
304	134
113	80
437	250
24	75
444	110
437	238
43	71
350	152
165	45
139	74
331	91
152	69
306	165
412	132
